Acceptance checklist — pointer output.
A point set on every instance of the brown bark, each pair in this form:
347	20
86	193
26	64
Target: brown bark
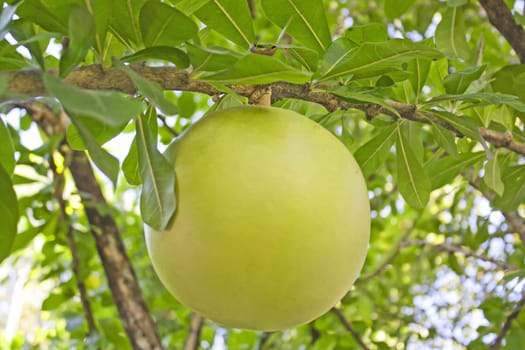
75	261
502	19
121	276
29	83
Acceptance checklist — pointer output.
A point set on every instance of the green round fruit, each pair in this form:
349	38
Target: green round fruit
272	223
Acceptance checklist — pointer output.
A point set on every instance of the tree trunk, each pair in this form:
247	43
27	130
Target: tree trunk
121	277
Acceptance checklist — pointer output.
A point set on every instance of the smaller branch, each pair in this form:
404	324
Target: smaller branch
261	96
263	339
165	123
194	333
454	248
348	326
502	140
84	298
395	252
514	221
502	19
508	322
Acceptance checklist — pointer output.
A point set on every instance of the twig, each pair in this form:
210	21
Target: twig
454	248
388	261
502	19
194	333
165	123
514	221
263	339
64	217
508	322
348	326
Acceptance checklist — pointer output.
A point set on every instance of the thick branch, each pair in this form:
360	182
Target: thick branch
119	271
122	280
502	19
502	140
508	322
29	83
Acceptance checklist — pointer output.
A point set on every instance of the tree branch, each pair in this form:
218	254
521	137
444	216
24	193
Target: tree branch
64	217
502	19
514	221
194	333
502	140
29	83
454	248
122	280
348	326
508	322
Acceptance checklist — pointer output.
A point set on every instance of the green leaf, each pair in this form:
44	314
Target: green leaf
412	181
492	177
305	20
130	165
464	125
371	59
53	301
374	153
124	22
258	69
100	130
231	18
482	98
514	185
24	32
8	213
372	32
445	138
46	17
188	7
164	53
107	163
81	38
419	69
101	12
109	107
162	24
211	59
457	83
358	97
396	8
450	34
157	200
7	149
443	170
5	17
152	90
23	238
510	80
307	57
